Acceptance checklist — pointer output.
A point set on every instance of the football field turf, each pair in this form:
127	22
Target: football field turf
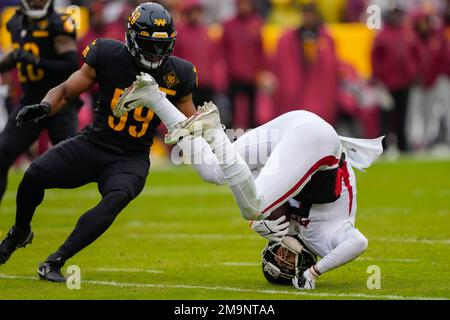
185	239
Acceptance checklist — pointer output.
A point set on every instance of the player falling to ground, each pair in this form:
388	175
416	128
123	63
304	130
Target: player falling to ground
112	152
306	166
45	54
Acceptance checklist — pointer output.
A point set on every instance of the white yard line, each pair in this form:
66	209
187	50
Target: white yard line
387	259
411	240
240	264
134	270
205	236
389	210
258	264
150	191
234	289
219	236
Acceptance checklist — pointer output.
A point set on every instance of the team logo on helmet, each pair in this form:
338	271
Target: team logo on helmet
160	22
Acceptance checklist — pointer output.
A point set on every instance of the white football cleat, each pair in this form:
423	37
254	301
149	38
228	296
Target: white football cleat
206	118
304	284
142	93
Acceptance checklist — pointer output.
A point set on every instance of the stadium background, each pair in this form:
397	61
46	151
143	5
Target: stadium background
403	200
356	95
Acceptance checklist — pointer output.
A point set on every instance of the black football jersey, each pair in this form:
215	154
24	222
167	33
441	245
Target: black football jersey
115	71
38	38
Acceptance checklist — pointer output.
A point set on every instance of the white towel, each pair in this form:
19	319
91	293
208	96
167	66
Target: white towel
361	153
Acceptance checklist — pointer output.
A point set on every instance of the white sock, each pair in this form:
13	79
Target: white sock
202	159
168	113
197	149
236	173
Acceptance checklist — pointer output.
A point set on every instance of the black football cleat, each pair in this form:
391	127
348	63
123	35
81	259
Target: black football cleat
50	271
12	242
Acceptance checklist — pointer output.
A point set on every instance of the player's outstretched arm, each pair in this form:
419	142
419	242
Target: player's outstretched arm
59	96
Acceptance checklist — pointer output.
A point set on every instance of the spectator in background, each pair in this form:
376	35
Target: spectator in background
107	20
394	65
358	103
244	56
115	14
355	10
195	44
96	27
307	69
330	11
264	7
430	93
219	11
447	65
285	13
447	37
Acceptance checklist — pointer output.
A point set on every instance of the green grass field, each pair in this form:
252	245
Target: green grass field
185	239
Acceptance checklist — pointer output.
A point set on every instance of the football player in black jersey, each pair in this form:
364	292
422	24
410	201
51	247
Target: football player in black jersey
45	54
113	152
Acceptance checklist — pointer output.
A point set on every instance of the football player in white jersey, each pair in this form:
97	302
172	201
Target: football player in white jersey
297	157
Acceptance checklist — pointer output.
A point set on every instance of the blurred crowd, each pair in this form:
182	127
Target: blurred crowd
407	98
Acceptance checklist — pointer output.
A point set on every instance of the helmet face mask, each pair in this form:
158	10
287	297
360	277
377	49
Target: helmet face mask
281	262
36	9
151	35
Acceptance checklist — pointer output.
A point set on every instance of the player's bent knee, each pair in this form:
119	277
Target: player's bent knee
364	243
32	178
208	174
360	241
118	198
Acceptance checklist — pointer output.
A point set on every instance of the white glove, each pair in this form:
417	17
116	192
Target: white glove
273	230
144	92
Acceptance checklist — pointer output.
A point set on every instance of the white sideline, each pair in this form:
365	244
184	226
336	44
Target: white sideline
221	236
232	289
